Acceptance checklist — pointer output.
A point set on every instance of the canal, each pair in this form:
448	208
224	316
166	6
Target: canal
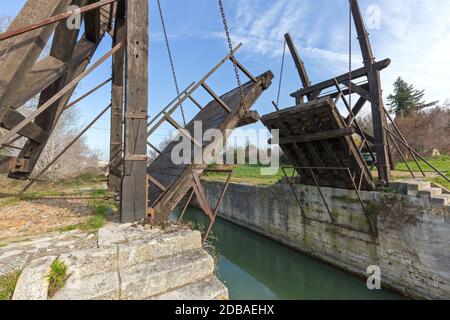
254	267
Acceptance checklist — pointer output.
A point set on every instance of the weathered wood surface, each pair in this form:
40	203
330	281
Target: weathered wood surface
134	184
45	72
315	135
19	54
356	74
117	95
68	58
65	48
177	178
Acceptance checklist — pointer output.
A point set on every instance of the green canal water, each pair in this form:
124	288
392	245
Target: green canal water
254	267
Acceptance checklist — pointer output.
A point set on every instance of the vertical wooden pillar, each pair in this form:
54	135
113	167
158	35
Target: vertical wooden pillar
117	94
378	116
133	199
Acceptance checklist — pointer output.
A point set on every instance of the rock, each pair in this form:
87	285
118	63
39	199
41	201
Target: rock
32	283
163	275
207	289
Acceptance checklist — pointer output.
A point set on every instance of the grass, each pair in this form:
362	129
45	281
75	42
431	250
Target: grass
442	163
101	208
441	181
57	277
250	174
8	284
7	202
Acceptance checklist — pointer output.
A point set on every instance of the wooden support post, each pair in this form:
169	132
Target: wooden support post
133	200
117	93
297	61
373	76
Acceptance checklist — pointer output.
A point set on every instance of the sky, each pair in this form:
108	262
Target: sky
414	34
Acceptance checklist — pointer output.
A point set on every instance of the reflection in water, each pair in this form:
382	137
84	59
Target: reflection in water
253	267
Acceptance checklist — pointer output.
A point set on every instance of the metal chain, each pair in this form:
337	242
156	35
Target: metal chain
171	60
281	74
230	46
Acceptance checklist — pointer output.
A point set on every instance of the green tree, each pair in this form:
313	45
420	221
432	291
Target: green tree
406	99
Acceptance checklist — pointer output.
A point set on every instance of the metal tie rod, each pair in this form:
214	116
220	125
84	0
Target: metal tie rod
59	17
33	180
193	89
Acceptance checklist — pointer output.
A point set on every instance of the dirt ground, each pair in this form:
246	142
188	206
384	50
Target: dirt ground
24	217
40	216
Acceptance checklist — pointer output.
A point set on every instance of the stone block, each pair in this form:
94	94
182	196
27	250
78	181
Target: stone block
33	283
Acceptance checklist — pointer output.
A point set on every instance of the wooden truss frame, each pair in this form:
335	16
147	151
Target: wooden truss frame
369	91
55	77
199	191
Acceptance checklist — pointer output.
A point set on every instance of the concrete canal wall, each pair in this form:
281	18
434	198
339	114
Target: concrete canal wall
412	245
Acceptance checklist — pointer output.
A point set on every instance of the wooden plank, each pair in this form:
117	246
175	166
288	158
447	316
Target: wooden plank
157	183
298	61
92	21
133	200
325	135
319	119
19	54
31	130
5	164
116	134
242	68
183	131
216	97
358	73
357	89
250	118
47	71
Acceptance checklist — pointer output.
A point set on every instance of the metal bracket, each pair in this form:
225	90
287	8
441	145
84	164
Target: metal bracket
136	157
140	116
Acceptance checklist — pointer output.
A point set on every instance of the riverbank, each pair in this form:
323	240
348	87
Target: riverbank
410	247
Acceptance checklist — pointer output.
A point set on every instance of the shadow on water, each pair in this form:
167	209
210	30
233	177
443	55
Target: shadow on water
253	267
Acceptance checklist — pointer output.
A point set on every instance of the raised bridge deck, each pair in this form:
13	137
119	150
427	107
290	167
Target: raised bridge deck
170	182
318	143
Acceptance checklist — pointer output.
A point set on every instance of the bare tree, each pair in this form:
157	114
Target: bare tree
78	159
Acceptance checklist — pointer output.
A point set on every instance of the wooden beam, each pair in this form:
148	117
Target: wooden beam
358	107
31	130
5	164
216	97
250	118
116	134
92	21
19	54
134	192
356	74
373	76
47	71
357	89
182	131
325	135
243	69
156	183
297	61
